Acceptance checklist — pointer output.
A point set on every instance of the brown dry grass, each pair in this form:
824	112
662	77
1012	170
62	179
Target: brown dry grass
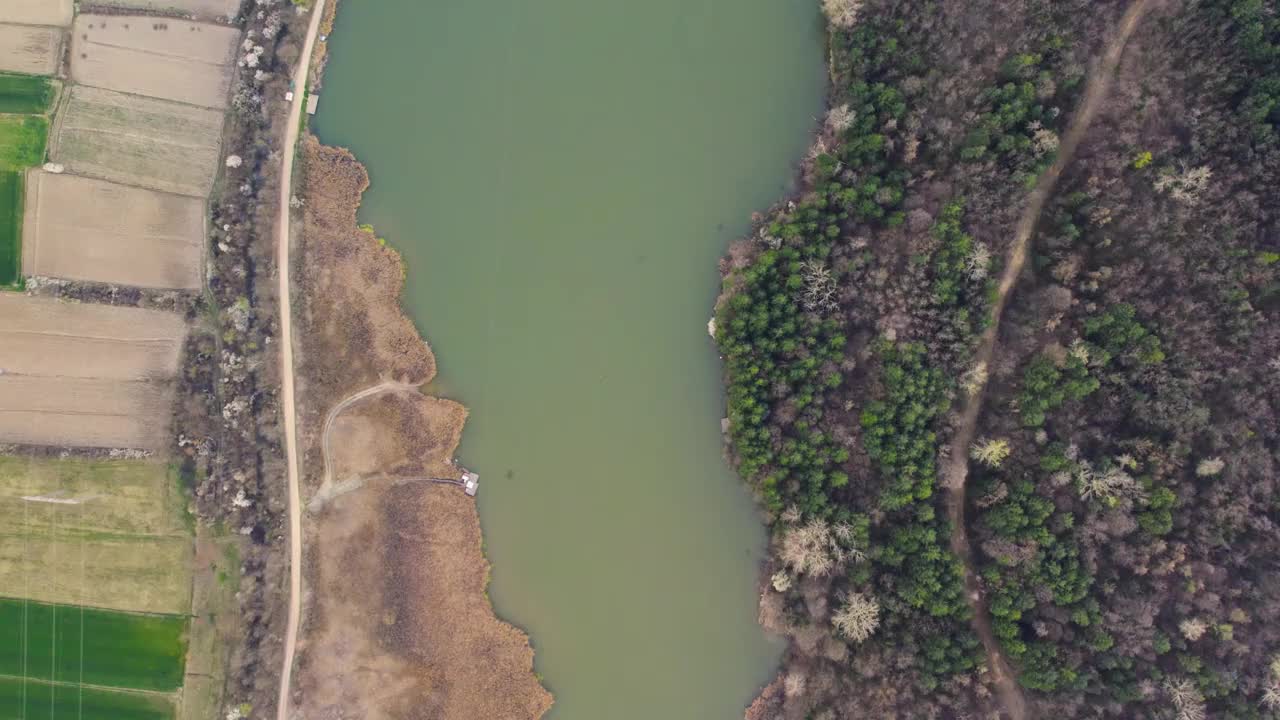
163	58
32	50
124	546
38	12
138	141
398	624
86	229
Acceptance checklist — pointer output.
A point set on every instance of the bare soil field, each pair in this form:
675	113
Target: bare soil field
85	375
46	337
84	412
38	12
163	58
398	624
27	49
140	141
201	9
119	534
81	228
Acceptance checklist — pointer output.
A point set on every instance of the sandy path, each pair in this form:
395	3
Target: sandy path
957	469
287	402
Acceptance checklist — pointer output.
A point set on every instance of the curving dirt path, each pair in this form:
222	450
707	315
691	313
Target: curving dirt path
957	469
287	403
326	486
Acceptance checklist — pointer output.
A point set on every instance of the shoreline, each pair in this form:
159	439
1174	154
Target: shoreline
396	434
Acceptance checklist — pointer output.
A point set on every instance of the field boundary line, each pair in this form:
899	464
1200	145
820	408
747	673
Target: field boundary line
102	688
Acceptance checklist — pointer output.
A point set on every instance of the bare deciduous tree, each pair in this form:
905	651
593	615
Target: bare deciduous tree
858	618
842	13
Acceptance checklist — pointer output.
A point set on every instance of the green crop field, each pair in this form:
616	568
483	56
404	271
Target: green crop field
25	94
70	644
10	227
22	140
34	699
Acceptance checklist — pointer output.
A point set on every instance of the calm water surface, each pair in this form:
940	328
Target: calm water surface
561	177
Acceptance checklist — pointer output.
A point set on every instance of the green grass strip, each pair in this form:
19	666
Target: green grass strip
34	699
25	94
22	141
115	649
10	227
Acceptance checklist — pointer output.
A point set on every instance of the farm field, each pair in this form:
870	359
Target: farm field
85	375
47	337
87	229
25	94
128	496
164	58
28	49
22	140
73	644
140	141
10	226
70	702
38	12
200	8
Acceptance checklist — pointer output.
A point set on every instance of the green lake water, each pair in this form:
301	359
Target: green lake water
561	177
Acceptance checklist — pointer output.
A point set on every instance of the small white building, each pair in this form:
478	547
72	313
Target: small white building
470	483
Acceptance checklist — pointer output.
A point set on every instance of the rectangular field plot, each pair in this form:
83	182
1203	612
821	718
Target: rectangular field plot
208	9
73	644
10	226
46	561
38	12
139	497
84	412
27	49
22	141
34	699
25	94
158	57
86	229
53	338
139	141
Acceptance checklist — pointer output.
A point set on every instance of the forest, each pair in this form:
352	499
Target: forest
1003	371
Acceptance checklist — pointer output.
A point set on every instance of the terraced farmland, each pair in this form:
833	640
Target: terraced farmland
140	141
27	49
156	57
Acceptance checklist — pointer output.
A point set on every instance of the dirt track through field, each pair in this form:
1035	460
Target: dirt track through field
288	403
956	471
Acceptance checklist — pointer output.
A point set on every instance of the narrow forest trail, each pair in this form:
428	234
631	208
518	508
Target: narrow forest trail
956	471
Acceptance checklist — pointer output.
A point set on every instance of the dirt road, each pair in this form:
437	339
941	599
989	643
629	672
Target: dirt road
287	403
957	469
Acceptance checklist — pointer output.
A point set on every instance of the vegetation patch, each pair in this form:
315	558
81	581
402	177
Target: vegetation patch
22	141
25	94
34	699
74	644
10	227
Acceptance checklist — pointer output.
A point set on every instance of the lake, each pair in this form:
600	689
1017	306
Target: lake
561	177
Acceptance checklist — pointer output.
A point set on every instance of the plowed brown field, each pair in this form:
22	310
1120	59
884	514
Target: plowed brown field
163	58
86	229
31	50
